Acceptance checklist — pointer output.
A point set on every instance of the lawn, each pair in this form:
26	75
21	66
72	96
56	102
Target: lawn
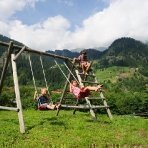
111	73
45	129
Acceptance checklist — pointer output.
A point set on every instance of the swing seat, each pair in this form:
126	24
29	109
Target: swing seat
42	107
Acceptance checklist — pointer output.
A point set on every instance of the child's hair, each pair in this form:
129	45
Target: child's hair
83	52
73	81
43	88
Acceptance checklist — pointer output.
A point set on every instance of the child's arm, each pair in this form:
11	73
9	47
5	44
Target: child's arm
70	88
35	95
81	86
49	98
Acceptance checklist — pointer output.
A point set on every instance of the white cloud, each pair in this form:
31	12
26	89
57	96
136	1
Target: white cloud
9	7
121	18
4	28
45	35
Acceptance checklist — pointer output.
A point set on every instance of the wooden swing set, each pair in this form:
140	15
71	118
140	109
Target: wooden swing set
14	51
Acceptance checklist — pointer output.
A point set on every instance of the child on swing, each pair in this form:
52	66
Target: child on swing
44	101
82	92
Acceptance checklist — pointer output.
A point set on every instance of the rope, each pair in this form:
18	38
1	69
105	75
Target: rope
71	72
45	78
34	83
44	75
61	71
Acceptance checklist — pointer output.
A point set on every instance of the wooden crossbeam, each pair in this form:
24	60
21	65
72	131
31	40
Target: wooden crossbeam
35	51
9	108
95	98
83	106
86	75
19	53
90	82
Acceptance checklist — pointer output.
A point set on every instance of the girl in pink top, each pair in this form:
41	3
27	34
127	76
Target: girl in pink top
82	92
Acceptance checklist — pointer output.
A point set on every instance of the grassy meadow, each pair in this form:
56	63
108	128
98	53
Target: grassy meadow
45	129
126	94
112	73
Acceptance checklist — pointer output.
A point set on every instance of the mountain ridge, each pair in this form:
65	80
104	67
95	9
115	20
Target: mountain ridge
122	52
125	52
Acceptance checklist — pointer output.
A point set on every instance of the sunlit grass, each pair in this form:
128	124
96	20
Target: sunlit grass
111	73
44	128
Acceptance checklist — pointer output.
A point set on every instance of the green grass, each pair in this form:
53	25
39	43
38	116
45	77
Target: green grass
111	73
45	129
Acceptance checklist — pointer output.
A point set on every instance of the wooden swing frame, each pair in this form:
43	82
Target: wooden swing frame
14	51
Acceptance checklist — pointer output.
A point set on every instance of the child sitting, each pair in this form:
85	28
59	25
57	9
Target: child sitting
43	101
82	92
84	63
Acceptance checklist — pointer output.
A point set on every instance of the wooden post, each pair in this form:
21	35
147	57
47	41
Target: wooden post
19	53
77	103
6	65
65	87
17	94
90	109
105	104
79	78
64	91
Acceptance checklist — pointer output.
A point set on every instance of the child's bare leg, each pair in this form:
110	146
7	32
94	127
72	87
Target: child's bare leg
58	106
83	68
90	88
51	106
93	88
88	66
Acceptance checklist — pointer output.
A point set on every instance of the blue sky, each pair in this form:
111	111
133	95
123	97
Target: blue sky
73	10
71	24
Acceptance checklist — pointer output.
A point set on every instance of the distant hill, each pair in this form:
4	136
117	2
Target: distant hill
6	39
125	52
97	48
93	54
24	68
122	52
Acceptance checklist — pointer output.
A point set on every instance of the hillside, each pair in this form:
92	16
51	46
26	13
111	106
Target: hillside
92	53
6	39
24	71
122	52
125	52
